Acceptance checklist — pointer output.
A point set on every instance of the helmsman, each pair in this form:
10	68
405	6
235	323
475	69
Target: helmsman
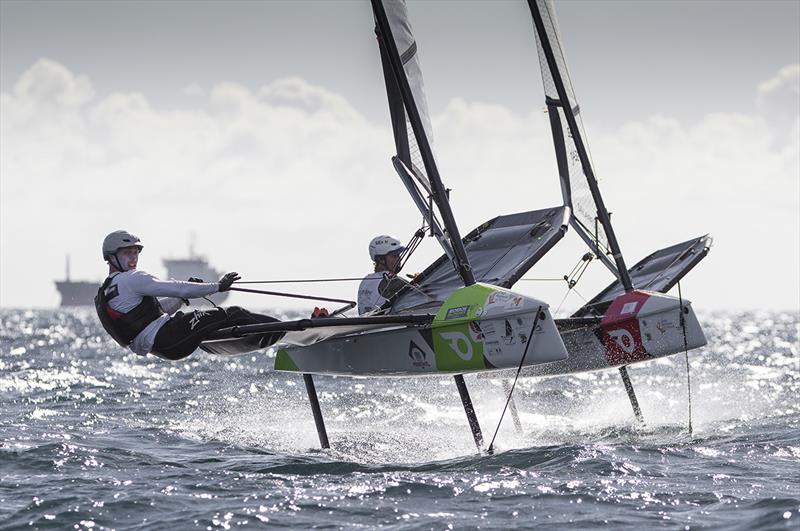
141	313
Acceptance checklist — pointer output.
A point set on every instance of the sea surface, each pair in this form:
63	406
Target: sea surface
94	438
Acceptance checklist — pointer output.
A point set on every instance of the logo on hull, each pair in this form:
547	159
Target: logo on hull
459	343
417	355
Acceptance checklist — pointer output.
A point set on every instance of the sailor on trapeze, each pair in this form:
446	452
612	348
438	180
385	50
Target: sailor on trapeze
130	312
377	287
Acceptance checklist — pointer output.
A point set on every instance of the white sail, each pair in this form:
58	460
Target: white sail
397	15
574	175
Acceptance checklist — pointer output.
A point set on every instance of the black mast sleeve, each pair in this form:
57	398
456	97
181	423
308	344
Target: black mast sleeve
437	188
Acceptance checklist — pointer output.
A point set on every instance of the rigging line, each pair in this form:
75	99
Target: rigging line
410	286
516	377
411	247
541	279
578	293
686	354
594	236
298	281
292	295
558	309
580	267
569	290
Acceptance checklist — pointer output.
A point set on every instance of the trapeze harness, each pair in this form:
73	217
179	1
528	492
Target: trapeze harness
124	327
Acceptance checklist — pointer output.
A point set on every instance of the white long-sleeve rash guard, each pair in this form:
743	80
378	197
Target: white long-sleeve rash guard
134	285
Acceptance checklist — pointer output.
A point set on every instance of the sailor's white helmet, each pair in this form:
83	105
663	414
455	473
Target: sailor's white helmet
383	245
119	239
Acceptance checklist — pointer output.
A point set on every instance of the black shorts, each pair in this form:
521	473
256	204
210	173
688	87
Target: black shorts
183	333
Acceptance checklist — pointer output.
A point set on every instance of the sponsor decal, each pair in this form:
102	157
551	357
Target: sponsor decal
475	331
624	340
195	320
665	324
498	296
459	343
508	338
458	312
621	333
417	355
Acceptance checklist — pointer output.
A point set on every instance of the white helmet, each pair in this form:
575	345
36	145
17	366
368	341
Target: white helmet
117	240
383	245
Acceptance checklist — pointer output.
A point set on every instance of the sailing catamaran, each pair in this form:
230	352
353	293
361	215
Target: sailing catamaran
459	315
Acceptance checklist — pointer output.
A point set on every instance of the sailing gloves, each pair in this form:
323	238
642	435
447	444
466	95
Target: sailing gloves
228	279
319	312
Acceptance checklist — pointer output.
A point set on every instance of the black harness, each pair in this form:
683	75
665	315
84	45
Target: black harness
124	327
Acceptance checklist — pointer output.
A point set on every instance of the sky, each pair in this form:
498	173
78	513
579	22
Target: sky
260	130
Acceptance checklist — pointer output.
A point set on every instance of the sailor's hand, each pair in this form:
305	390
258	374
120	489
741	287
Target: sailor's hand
197	280
319	312
228	279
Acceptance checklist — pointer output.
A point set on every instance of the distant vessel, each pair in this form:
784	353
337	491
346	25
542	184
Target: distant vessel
76	292
194	266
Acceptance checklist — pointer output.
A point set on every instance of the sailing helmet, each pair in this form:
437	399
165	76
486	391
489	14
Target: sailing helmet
383	245
117	240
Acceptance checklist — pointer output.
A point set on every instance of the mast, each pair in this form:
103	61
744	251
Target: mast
565	104
437	189
438	192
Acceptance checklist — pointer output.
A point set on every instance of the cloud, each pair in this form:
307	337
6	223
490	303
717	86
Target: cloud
289	180
778	101
50	83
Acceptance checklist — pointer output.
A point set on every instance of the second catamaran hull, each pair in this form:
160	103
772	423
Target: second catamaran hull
638	326
479	328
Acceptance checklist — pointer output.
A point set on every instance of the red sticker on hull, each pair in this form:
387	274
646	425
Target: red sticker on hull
622	338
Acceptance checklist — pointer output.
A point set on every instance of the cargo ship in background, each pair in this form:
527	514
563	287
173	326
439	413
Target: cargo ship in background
77	292
194	266
82	292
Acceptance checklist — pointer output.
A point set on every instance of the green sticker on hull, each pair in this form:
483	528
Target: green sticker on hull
455	349
283	362
456	346
465	304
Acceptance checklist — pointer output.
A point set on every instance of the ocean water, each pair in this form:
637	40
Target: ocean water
93	438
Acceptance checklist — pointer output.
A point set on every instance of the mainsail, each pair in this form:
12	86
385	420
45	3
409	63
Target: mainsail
405	140
404	88
578	183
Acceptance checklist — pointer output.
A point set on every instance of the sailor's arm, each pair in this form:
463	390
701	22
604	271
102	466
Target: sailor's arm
146	284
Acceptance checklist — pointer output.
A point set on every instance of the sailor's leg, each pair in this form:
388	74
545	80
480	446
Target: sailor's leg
470	411
182	334
316	411
239	316
513	406
623	371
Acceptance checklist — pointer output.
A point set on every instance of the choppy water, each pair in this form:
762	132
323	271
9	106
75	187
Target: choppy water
93	438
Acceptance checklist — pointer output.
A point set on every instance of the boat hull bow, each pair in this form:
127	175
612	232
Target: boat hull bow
479	328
